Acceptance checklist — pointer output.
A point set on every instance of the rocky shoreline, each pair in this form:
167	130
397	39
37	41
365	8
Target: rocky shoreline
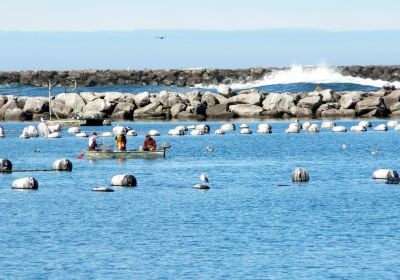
196	105
178	77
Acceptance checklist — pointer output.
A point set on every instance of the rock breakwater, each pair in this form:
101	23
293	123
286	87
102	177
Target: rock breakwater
197	105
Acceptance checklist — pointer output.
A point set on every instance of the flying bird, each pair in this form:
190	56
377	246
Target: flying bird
161	37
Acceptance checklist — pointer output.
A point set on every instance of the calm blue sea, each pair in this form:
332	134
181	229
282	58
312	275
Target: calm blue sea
252	224
292	87
342	224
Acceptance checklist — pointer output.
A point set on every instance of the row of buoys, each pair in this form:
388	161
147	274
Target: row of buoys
58	165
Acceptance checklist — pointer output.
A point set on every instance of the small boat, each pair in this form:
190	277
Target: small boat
110	154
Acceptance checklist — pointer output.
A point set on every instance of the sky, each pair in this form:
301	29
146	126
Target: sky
128	15
100	34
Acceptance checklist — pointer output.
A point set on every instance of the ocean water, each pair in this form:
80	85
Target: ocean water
252	224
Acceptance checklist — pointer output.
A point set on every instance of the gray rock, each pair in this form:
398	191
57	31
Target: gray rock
72	100
199	108
142	99
168	99
177	108
312	102
348	100
339	113
246	110
194	96
153	110
395	107
123	110
21	100
189	116
301	112
391	99
93	114
219	111
254	98
369	104
225	90
209	99
221	99
88	96
10	104
15	114
98	105
113	97
279	102
36	105
327	106
59	109
3	100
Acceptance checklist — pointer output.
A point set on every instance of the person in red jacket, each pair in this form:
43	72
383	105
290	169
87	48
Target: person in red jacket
149	144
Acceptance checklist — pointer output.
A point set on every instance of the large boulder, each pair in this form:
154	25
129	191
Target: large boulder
391	99
59	109
88	96
188	116
153	110
301	112
36	105
168	99
194	96
98	105
219	111
327	106
113	97
367	105
11	104
123	111
225	91
311	102
15	114
72	100
221	99
395	107
254	98
209	99
246	110
279	102
338	113
177	108
142	99
199	108
349	100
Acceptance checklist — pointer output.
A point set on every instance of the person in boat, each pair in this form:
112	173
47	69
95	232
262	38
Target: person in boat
120	141
149	144
92	142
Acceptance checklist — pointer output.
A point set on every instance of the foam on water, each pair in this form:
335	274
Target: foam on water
320	74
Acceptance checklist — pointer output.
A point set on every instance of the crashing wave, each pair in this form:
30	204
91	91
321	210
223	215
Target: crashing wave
307	74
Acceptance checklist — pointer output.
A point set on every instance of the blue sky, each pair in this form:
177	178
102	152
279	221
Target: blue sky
224	34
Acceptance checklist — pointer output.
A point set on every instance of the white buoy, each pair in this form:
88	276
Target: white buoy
119	130
392	123
1	132
365	123
339	128
313	128
219	131
245	131
74	130
181	128
153	132
197	132
5	165
381	127
81	134
358	128
24	135
27	183
327	125
124	180
191	127
31	131
43	130
264	128
228	127
244	125
397	128
385	174
293	128
55	128
204	127
54	135
131	133
306	125
107	134
102	189
175	132
62	165
300	175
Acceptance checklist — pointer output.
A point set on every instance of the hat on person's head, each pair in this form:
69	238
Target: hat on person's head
94	133
148	135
